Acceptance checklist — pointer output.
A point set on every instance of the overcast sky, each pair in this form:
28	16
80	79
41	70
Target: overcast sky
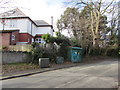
41	9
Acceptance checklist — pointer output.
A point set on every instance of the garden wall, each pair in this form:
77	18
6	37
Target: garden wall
18	53
13	57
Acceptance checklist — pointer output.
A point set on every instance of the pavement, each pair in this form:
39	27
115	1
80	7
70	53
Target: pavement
102	74
36	71
52	67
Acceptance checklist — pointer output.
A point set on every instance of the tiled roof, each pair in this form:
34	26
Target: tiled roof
38	35
17	13
13	13
40	22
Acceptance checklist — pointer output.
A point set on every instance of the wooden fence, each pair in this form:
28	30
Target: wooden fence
23	48
28	47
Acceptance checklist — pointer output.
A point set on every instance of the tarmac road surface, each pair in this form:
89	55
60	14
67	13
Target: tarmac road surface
98	75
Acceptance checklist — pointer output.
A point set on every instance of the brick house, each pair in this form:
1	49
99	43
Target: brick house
9	37
15	24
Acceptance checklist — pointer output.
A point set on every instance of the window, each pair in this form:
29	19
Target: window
38	40
13	37
13	23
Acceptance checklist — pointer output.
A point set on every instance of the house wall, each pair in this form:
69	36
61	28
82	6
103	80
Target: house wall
10	24
22	24
26	27
7	24
43	30
31	27
5	39
25	37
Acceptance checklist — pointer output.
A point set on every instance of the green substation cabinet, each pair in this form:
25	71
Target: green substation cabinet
75	54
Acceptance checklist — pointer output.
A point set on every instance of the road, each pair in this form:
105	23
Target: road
97	75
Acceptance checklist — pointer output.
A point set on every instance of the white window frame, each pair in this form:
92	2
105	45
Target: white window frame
38	40
13	37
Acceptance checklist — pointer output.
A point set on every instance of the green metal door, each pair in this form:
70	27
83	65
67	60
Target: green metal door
76	54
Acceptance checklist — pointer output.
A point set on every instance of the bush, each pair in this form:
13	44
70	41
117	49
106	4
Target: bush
61	41
41	52
74	42
50	52
112	52
48	38
104	51
4	47
35	53
63	51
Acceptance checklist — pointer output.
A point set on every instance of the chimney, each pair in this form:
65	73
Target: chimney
52	20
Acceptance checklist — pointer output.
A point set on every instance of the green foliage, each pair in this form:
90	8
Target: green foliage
85	33
63	42
68	19
75	42
58	34
35	53
104	51
61	39
50	52
34	44
48	38
112	52
4	47
63	51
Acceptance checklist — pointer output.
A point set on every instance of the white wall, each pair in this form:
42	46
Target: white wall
10	24
31	28
34	30
7	24
22	24
44	30
26	26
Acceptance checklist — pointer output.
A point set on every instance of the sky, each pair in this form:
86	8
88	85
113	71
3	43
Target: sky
41	9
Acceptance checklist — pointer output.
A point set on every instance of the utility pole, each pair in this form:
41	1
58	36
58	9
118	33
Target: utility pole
52	24
52	20
119	15
3	19
118	28
3	22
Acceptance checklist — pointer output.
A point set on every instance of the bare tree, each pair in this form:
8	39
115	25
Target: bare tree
97	9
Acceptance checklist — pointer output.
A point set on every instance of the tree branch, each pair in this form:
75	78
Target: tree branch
106	7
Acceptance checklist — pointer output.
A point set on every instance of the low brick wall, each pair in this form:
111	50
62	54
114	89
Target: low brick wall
13	57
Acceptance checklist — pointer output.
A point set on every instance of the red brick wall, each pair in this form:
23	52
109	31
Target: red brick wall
5	39
16	34
19	37
25	37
